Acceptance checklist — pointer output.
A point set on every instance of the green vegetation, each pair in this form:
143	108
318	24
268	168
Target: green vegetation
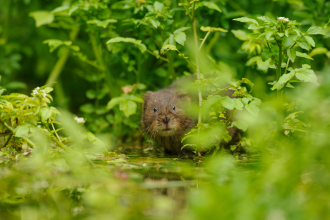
73	148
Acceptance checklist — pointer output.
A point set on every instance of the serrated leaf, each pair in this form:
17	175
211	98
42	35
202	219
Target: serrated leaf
242	35
252	108
317	51
299	54
315	30
246	19
128	107
228	103
240	124
307	75
138	43
213	29
180	38
42	17
283	80
291	54
310	40
210	5
54	43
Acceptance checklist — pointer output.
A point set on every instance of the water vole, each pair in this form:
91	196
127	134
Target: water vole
164	118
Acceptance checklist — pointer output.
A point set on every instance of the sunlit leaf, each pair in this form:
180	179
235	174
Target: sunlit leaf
213	29
240	124
245	19
210	5
299	54
310	41
291	54
42	17
252	108
317	51
180	38
315	30
138	43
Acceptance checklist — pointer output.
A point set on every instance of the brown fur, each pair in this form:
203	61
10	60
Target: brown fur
166	126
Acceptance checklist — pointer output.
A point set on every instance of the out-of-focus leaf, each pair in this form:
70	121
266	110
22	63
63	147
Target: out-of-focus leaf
42	17
138	43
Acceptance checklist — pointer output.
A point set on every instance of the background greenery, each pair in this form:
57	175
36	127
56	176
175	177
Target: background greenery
69	42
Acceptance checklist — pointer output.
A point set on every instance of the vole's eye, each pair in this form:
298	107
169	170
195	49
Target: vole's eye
173	107
155	109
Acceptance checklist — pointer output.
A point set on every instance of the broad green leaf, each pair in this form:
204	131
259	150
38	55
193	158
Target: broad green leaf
284	79
45	113
128	107
280	34
22	130
238	104
213	29
180	38
210	5
42	17
310	41
303	45
254	27
103	23
211	101
138	43
268	34
60	9
315	30
158	6
245	19
252	108
168	47
240	124
181	29
265	19
227	103
299	54
307	75
291	54
319	50
242	35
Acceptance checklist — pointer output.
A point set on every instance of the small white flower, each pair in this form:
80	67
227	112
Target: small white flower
44	94
283	19
280	18
286	20
37	88
79	120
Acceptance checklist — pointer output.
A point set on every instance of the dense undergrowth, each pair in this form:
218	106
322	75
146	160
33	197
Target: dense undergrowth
97	59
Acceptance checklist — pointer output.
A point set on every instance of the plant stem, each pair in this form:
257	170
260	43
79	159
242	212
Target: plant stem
8	140
28	141
200	98
271	52
207	34
99	57
279	97
62	60
157	56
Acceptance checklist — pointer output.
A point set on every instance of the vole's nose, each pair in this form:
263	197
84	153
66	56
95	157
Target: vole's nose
166	120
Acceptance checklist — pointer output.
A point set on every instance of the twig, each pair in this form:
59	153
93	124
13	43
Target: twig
157	56
200	47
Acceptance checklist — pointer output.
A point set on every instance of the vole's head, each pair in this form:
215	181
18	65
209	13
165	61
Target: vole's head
163	113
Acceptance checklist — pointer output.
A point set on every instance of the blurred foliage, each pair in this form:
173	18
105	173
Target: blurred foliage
101	56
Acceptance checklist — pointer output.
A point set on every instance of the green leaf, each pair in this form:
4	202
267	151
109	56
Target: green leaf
254	27
268	34
240	124
307	75
158	6
242	35
211	101
303	45
238	104
138	43
265	19
283	80
315	30
310	41
291	54
45	113
227	103
181	30
128	107
317	51
54	43
247	81
103	23
299	54
210	5
252	108
245	19
180	38
22	130
42	17
212	29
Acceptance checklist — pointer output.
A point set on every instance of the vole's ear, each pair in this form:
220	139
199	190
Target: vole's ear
147	95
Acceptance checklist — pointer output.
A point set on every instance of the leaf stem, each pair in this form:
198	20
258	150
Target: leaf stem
157	56
28	141
207	34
